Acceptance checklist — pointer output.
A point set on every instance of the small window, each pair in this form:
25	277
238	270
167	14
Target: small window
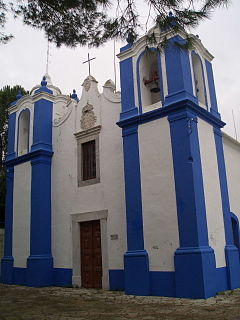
88	164
23	132
88	160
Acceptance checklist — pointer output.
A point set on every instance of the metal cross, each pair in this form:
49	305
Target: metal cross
88	60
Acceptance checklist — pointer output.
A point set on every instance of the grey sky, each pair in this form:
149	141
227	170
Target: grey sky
23	60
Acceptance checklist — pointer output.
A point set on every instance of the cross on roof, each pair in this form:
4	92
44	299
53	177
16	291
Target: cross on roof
88	60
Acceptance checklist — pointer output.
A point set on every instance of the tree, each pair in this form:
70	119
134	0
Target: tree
86	22
7	95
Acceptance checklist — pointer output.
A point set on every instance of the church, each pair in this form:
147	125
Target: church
137	191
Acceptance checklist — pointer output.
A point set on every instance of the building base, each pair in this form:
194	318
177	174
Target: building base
7	270
39	270
195	273
136	273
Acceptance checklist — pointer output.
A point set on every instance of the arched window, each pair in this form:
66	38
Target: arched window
235	230
23	132
199	79
149	78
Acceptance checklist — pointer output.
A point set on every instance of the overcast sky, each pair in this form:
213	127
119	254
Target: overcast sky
23	60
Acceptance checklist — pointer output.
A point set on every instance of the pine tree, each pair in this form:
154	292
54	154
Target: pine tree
87	22
7	95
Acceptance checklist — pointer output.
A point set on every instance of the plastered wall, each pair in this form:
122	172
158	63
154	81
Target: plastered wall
158	195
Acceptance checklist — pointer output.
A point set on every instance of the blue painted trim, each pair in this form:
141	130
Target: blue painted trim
7	260
133	189
127	86
235	230
136	265
139	81
188	180
162	283
136	273
212	92
231	251
62	277
194	260
193	53
126	47
11	136
29	156
42	125
43	89
221	279
179	76
163	112
116	280
19	118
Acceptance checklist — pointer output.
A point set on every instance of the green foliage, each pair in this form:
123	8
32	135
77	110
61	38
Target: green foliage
93	22
7	95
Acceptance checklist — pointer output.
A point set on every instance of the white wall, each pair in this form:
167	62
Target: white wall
212	192
21	214
68	198
232	161
161	234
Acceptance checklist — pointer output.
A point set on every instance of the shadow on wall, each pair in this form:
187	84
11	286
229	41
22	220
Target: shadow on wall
1	242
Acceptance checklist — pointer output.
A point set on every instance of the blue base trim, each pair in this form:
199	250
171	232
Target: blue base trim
19	276
195	273
116	279
233	270
7	270
136	273
62	277
221	279
162	283
39	271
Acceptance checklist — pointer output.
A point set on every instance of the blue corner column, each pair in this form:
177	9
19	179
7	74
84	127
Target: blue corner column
231	251
127	90
178	69
212	92
40	261
7	260
136	262
194	259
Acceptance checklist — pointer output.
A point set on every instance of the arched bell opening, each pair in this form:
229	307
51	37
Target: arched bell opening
23	132
149	78
198	77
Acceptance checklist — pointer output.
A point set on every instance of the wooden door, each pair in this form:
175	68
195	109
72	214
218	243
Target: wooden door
91	254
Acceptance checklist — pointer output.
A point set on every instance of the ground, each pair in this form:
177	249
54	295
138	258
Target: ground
54	303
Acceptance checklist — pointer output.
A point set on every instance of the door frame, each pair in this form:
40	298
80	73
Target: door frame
77	218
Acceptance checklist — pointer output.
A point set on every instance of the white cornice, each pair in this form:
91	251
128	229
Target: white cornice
140	44
40	95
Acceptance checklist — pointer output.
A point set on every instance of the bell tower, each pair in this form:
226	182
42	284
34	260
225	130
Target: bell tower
169	115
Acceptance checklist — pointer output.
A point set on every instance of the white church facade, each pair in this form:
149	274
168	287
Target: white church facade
136	192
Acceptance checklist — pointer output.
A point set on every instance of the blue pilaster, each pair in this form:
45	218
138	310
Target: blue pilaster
7	260
11	136
212	92
194	259
179	77
136	264
40	261
231	251
127	89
